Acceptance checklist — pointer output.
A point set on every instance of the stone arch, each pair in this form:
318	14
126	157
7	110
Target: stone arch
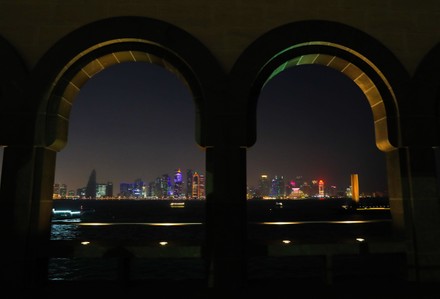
371	66
74	59
13	76
53	84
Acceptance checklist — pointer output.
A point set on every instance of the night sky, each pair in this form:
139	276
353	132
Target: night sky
136	120
315	122
130	121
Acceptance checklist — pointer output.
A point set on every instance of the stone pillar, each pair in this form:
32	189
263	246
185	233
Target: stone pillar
26	200
226	218
425	212
415	206
398	192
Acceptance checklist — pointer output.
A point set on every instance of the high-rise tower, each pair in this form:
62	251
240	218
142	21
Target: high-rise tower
91	185
198	186
278	187
189	182
321	192
355	188
178	184
264	185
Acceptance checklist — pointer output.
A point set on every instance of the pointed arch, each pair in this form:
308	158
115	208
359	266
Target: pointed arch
73	60
371	66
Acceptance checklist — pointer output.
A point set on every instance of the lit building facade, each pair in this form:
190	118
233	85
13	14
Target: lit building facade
278	187
189	183
125	189
264	186
178	184
101	190
198	186
321	192
138	187
56	191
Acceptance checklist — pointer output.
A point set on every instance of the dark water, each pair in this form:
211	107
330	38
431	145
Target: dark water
135	220
150	221
138	219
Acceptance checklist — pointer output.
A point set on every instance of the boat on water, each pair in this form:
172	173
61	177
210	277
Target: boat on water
278	204
70	214
178	204
65	214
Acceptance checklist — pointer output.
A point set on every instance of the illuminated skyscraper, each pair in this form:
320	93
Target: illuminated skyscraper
189	183
125	189
278	187
165	186
202	186
158	188
138	186
314	188
264	186
71	194
355	187
56	191
198	186
321	192
63	190
101	190
151	191
178	184
195	185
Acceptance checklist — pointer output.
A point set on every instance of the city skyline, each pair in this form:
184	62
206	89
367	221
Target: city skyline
288	180
136	120
178	185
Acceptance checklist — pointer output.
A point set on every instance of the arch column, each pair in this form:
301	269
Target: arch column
26	199
226	221
415	207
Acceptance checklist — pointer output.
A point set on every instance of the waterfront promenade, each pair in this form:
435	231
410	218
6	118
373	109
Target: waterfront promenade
309	249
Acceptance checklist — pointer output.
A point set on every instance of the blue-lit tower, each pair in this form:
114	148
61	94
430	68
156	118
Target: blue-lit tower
278	187
125	189
137	188
178	184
